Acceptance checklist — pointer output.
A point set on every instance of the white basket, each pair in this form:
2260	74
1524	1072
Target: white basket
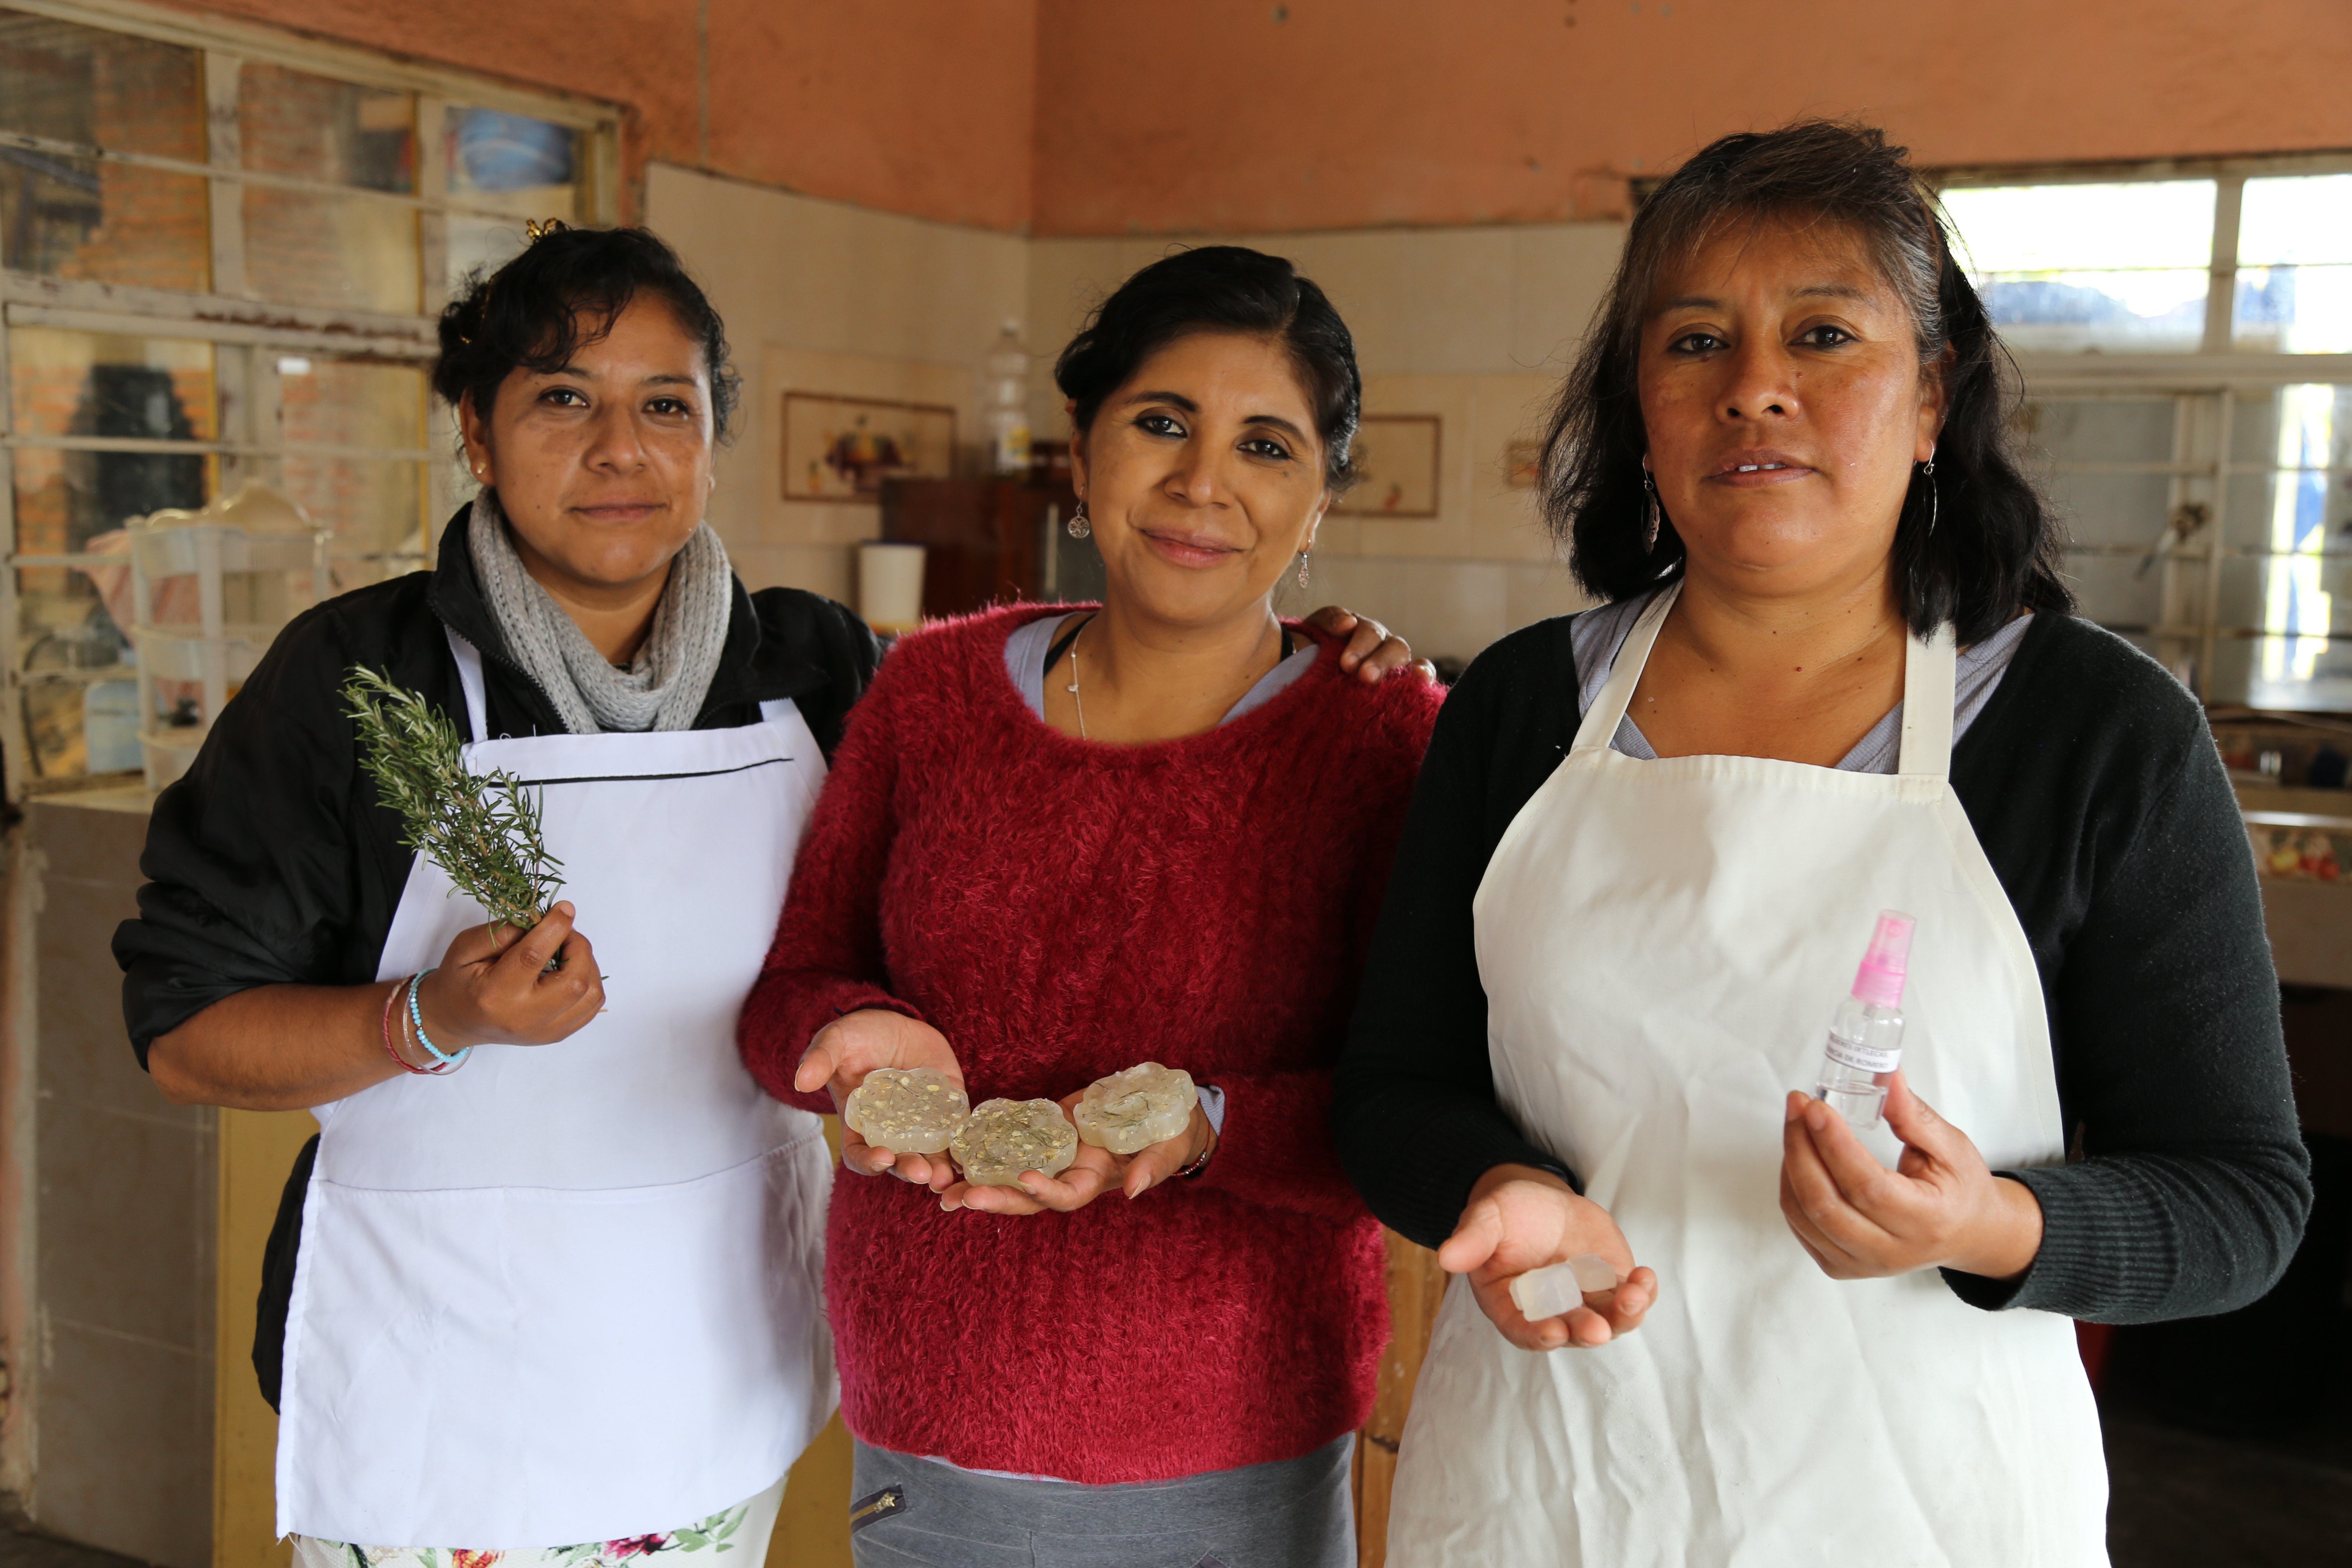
169	655
174	550
168	754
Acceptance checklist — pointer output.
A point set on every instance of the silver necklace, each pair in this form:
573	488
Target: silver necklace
1073	686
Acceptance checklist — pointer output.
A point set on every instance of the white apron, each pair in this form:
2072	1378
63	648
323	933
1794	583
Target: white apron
574	1293
1662	944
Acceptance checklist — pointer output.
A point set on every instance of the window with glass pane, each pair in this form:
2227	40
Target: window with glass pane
354	434
66	91
2113	267
353	203
2304	558
312	248
512	166
73	396
2295	264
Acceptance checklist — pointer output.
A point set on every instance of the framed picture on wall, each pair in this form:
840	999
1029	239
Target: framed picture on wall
841	449
1398	456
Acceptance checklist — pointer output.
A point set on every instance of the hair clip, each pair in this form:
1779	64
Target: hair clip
540	228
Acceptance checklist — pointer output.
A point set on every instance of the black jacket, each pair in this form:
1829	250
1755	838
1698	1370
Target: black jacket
273	861
2094	788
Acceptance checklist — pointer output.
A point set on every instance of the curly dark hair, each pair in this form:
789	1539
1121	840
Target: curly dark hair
1993	548
563	292
1223	288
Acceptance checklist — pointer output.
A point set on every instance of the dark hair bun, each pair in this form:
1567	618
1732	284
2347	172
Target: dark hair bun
1223	288
566	289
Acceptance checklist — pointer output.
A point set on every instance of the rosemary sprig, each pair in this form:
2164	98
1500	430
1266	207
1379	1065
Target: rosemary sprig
482	829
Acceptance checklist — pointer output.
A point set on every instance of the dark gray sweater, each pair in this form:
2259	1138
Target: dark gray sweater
2096	789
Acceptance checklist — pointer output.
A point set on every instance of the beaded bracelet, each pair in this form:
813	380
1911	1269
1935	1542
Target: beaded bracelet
416	1017
390	998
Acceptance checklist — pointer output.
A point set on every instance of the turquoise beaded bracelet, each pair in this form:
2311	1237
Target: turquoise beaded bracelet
416	1017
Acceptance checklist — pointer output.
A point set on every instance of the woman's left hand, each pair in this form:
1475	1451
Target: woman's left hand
1094	1173
1372	649
1941	1207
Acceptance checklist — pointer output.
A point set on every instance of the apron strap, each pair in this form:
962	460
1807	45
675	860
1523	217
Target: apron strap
1928	674
469	676
1608	710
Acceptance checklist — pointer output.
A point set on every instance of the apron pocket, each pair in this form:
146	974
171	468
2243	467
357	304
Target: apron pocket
530	1366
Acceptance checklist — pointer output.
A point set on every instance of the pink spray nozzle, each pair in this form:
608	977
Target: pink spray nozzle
1879	980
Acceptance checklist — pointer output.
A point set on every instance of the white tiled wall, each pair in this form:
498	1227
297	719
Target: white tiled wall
1470	324
820	296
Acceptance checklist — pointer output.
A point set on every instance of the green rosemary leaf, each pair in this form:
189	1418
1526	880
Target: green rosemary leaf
482	829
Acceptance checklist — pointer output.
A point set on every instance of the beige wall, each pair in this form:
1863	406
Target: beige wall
819	296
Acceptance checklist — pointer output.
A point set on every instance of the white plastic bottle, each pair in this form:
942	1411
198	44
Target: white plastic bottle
1004	400
1865	1042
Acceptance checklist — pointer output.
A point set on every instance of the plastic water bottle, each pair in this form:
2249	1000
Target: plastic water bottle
1004	402
1865	1042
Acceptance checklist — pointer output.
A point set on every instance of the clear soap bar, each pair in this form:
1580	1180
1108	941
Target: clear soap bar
1002	1138
910	1110
1541	1293
1133	1110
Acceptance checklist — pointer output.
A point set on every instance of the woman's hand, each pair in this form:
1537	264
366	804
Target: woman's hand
1941	1207
853	1045
1518	1218
1094	1173
1372	649
493	985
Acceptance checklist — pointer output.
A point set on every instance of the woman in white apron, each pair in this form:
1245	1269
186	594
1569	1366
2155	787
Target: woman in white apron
1837	674
562	1295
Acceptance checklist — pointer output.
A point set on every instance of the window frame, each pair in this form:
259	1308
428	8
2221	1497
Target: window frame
246	333
2205	386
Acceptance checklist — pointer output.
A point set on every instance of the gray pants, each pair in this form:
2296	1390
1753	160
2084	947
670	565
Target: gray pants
919	1513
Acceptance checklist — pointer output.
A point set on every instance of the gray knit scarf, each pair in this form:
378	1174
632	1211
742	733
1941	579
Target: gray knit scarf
663	686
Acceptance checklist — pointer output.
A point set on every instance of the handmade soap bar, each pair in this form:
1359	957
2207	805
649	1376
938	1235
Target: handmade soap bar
1002	1138
1547	1292
1133	1109
910	1110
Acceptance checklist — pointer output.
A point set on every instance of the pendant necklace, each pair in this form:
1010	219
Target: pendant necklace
1073	686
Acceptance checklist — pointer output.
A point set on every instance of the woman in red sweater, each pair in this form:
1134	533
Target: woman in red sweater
1057	844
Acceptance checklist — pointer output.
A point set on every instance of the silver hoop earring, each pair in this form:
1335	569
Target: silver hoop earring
1650	527
1079	525
1303	556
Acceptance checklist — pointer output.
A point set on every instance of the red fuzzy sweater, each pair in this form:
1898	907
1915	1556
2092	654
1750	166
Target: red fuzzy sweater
1060	911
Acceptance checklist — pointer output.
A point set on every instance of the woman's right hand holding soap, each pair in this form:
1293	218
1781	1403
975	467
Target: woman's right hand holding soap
1520	1218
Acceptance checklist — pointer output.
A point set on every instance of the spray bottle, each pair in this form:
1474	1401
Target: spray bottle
1865	1043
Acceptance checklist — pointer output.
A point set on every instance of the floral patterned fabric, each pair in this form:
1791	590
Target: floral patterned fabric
740	1532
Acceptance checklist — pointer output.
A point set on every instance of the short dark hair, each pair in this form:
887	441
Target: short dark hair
1223	288
1994	547
563	291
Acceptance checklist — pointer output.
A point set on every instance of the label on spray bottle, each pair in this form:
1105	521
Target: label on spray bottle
1861	1058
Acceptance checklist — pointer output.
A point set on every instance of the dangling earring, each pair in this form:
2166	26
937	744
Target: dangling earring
1303	556
1079	525
1934	500
1650	528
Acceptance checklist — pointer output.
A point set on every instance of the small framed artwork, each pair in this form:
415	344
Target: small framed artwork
842	448
1398	456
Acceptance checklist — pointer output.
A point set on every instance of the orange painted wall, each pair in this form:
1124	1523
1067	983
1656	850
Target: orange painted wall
1106	117
912	106
1243	115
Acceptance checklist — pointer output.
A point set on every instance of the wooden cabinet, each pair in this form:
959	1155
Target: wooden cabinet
992	541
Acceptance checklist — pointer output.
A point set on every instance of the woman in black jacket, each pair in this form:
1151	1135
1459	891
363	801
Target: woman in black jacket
1837	673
